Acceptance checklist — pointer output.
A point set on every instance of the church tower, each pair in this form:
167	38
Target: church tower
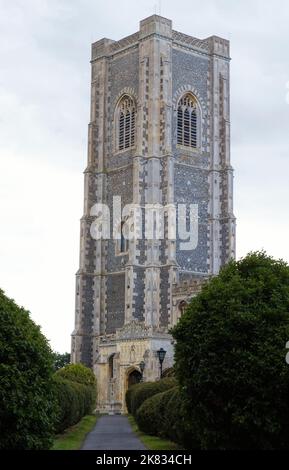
158	151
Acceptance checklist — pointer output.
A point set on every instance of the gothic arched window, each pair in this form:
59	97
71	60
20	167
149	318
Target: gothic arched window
188	121
126	114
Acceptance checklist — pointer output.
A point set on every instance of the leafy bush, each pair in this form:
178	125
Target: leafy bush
163	415
138	393
128	397
74	401
174	423
77	373
230	357
75	389
150	415
26	388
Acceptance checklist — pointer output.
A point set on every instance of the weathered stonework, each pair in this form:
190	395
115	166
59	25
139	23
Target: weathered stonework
126	303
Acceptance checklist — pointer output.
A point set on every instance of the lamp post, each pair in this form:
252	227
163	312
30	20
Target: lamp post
161	355
142	367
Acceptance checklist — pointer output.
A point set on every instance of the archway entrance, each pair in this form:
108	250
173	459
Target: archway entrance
182	306
133	378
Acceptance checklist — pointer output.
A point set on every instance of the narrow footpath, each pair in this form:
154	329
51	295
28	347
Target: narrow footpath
112	433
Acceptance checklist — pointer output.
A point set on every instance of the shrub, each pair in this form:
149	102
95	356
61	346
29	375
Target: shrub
174	424
230	357
77	373
138	393
75	389
26	388
163	415
150	415
74	401
128	398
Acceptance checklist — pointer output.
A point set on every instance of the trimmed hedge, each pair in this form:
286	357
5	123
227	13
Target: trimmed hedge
74	401
150	415
75	390
128	398
174	425
138	393
163	415
77	373
27	405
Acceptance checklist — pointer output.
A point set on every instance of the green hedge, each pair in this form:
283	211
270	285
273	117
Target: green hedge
163	415
27	405
34	402
77	373
75	390
230	357
150	414
74	401
138	393
128	398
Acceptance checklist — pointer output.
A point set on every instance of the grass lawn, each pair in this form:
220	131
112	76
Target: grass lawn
73	437
152	442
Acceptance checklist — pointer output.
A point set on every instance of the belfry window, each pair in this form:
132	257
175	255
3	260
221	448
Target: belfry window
126	123
187	124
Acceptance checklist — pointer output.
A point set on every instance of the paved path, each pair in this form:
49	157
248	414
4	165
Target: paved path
112	433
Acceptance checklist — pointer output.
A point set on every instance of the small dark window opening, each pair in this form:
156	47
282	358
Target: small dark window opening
122	239
123	243
110	366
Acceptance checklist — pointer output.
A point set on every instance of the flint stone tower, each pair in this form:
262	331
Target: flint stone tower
159	134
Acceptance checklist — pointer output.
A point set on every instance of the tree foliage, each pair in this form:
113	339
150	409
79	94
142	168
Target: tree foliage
230	357
61	360
27	406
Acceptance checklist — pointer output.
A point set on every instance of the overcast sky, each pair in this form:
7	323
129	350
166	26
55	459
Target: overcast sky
44	112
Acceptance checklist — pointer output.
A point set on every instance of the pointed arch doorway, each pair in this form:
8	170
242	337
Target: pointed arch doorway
134	377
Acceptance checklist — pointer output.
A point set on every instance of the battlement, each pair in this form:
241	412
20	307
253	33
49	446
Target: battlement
161	26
